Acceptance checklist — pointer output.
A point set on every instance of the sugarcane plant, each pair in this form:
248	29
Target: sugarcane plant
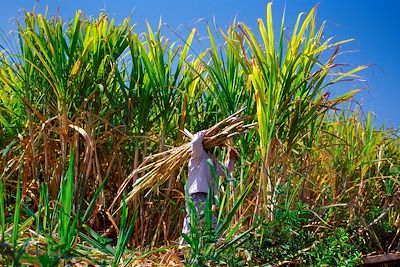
289	82
91	110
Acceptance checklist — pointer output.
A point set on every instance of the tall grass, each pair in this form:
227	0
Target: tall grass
2	210
289	81
113	96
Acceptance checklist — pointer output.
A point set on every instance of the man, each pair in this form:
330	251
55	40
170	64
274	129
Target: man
200	178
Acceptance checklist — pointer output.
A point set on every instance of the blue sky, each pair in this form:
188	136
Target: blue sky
371	23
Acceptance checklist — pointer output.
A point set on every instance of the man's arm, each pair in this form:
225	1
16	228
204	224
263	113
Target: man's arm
197	145
229	163
232	157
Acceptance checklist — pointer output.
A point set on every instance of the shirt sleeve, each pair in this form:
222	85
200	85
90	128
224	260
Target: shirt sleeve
197	145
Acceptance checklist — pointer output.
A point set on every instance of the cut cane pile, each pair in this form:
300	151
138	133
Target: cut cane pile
158	168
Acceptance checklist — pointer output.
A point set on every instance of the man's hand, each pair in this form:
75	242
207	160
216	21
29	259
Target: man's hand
233	153
214	208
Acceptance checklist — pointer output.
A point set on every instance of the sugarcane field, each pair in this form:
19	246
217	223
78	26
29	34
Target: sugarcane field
127	143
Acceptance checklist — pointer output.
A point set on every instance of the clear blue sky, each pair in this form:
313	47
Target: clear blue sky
371	23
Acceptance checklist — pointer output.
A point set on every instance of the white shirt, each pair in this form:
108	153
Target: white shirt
200	177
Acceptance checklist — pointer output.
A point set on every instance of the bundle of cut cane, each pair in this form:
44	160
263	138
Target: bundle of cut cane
160	167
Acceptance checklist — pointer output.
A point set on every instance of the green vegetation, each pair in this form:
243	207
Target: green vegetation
84	102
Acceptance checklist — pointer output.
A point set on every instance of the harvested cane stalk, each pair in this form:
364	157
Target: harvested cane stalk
160	167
